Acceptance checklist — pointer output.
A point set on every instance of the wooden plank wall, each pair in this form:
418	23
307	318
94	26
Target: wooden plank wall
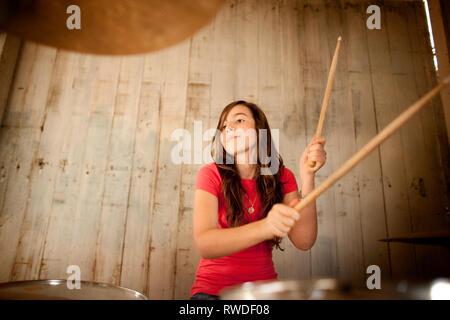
9	51
440	21
85	145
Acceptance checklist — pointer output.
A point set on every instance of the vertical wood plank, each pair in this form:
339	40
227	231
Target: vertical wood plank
416	159
165	209
9	53
196	123
269	99
225	54
437	140
433	120
247	26
425	186
347	200
9	219
381	54
440	21
317	61
60	234
93	165
34	228
118	172
292	263
136	260
368	172
26	91
269	57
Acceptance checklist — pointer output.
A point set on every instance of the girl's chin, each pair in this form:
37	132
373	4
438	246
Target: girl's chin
240	157
236	152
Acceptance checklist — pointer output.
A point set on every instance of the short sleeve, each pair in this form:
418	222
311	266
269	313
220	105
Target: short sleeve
290	184
208	180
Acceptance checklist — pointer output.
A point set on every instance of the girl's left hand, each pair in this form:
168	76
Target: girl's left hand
313	152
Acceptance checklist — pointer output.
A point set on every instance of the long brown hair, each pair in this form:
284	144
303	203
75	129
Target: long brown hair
268	185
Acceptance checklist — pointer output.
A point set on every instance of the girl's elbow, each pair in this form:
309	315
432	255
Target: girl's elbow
304	246
204	254
207	255
201	251
204	250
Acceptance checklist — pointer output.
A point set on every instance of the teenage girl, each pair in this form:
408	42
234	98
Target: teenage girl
244	203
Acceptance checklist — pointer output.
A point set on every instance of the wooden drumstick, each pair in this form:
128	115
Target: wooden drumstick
371	145
327	93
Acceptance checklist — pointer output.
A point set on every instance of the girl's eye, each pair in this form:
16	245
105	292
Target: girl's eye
240	120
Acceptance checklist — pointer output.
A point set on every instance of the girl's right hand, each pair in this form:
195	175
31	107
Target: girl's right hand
279	221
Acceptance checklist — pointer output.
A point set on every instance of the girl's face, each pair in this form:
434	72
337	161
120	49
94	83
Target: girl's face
238	133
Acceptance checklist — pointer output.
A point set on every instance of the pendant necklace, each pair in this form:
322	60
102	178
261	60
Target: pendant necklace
251	209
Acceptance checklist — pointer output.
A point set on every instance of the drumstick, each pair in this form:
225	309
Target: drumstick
327	93
371	145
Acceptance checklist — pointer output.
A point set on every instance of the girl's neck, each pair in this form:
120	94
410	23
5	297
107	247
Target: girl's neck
246	171
247	168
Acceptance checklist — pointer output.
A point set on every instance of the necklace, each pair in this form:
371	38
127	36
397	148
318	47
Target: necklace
251	209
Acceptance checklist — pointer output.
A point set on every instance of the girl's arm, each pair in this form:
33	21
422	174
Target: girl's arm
304	232
212	242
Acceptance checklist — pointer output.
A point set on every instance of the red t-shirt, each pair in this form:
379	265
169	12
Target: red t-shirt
251	264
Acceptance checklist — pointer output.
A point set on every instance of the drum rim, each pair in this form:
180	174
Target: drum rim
61	281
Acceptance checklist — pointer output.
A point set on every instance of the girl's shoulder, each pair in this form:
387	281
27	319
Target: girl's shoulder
210	169
286	172
288	181
208	179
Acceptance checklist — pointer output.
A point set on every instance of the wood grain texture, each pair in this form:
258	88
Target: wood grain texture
317	60
23	222
398	218
64	217
10	47
93	165
292	263
136	250
368	172
87	177
195	122
165	209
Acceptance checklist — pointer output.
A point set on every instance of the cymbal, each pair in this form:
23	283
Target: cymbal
109	27
59	290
